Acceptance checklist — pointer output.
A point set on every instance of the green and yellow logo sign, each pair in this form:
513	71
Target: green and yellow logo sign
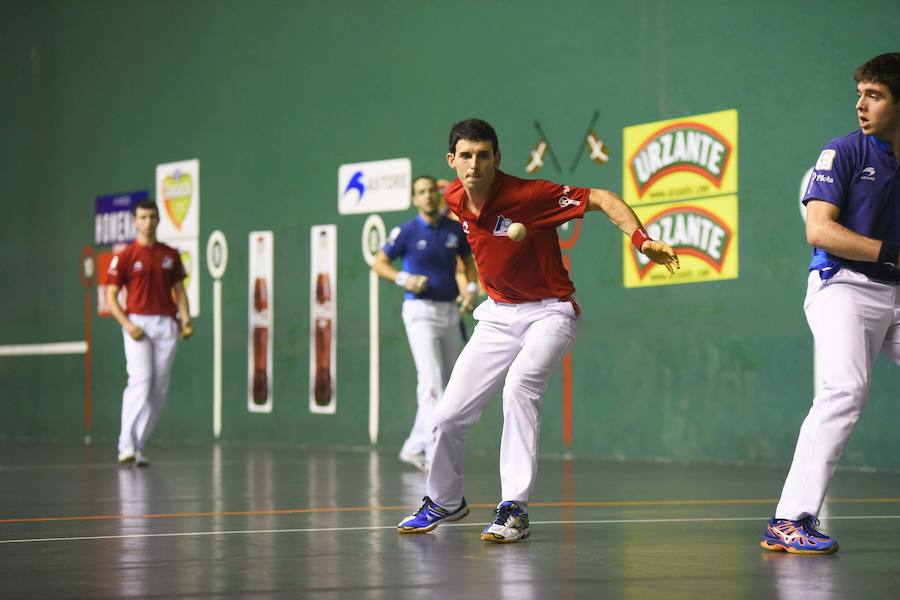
672	160
177	193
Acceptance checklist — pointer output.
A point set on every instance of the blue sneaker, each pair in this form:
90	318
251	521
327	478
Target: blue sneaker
510	524
797	537
429	516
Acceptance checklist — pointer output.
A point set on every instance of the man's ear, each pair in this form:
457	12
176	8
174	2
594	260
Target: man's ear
450	159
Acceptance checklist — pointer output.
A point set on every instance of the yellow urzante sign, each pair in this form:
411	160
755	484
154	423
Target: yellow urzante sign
691	157
704	233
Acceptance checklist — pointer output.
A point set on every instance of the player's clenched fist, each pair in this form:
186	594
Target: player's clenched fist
187	328
416	283
134	331
662	254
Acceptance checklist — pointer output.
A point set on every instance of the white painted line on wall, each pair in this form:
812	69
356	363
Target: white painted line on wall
43	349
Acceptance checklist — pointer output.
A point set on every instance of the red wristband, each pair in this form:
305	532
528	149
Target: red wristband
639	237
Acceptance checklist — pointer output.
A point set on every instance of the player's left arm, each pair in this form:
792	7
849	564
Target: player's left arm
621	215
184	312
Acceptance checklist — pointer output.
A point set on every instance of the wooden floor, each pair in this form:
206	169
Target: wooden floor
279	521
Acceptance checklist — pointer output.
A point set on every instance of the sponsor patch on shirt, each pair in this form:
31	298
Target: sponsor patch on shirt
826	160
138	265
421	244
868	174
502	227
824	178
167	262
565	201
452	241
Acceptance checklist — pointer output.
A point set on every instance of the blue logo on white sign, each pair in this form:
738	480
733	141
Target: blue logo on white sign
375	186
356	184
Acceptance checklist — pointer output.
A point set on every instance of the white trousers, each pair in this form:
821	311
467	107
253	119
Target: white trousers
149	364
852	319
435	341
516	348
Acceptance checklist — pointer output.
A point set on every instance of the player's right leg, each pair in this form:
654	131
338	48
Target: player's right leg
139	365
163	334
849	317
423	333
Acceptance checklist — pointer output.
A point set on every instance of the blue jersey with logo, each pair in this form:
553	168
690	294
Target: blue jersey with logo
430	250
858	173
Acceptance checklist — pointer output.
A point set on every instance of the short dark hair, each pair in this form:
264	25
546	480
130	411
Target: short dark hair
418	177
883	69
148	203
475	130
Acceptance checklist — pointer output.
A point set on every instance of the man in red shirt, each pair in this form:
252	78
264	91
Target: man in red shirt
525	327
152	274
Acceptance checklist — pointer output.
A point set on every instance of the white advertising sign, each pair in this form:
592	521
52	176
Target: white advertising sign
375	186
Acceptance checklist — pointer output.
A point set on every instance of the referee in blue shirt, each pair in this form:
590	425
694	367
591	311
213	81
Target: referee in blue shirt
429	246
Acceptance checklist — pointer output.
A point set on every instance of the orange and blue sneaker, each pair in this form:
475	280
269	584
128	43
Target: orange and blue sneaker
510	524
797	537
429	516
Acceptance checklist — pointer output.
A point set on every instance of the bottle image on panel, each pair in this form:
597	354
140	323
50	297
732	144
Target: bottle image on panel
322	314
260	327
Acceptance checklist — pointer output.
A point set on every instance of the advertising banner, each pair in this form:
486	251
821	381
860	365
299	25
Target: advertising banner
374	186
323	319
178	198
704	233
677	159
261	331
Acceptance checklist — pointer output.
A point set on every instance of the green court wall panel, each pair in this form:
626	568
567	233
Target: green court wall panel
272	97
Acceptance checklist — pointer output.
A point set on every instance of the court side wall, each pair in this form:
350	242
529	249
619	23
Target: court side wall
272	97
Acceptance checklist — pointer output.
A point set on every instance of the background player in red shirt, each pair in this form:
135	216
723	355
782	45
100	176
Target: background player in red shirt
525	327
152	274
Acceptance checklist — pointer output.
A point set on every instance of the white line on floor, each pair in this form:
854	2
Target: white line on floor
391	527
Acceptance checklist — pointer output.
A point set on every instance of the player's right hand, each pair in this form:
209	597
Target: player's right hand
662	254
466	303
417	283
134	331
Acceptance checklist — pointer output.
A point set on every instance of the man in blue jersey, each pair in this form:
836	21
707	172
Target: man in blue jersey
853	296
429	245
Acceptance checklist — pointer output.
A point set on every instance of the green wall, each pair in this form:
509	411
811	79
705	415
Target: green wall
272	97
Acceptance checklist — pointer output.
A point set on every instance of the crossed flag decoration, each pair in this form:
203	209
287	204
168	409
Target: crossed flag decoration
598	151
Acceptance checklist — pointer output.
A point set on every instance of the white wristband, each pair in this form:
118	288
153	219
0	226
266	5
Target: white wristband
401	278
472	288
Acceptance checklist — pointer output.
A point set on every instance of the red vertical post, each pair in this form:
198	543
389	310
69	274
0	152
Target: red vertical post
567	385
87	366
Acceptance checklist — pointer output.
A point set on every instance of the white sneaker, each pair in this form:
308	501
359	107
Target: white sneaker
141	460
417	460
126	457
510	525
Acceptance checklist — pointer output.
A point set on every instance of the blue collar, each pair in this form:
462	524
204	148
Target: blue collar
437	222
881	145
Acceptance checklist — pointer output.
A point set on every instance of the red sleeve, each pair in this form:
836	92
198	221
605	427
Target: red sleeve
453	197
118	267
553	204
178	272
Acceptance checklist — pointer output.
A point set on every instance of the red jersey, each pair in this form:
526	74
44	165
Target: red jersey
148	274
532	269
